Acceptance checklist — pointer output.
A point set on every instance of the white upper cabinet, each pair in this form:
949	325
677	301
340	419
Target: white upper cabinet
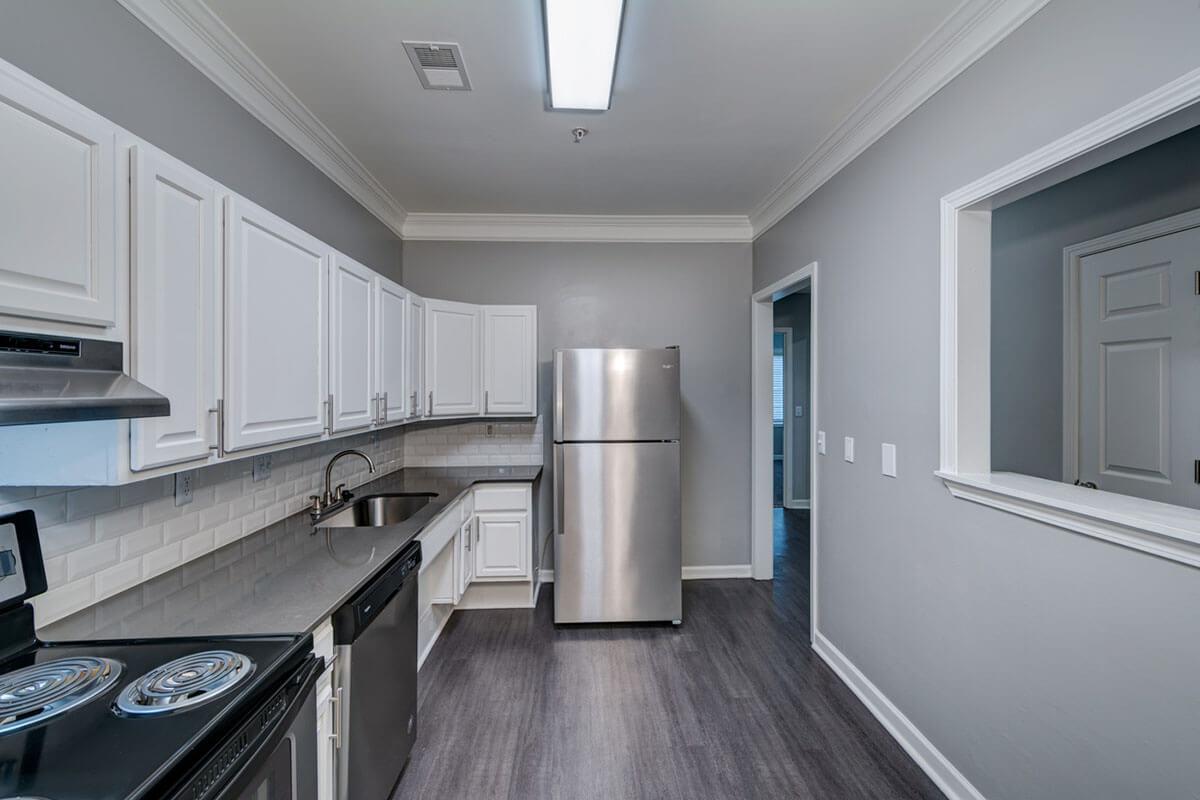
414	358
57	207
390	341
510	360
453	358
275	331
175	245
351	344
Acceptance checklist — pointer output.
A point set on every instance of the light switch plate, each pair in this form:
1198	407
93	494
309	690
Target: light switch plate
799	411
185	484
821	443
262	468
888	455
848	447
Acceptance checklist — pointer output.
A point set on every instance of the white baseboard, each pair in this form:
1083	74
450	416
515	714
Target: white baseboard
952	782
706	572
797	504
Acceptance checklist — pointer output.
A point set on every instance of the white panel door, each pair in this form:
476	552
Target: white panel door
275	331
453	358
414	358
501	546
173	314
1140	370
351	344
57	206
390	342
510	360
466	554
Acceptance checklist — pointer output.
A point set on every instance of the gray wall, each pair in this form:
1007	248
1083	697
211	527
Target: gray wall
97	53
694	295
1028	238
1042	663
794	312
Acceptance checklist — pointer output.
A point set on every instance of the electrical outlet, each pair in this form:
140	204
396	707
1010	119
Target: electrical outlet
490	430
848	449
185	484
262	468
821	443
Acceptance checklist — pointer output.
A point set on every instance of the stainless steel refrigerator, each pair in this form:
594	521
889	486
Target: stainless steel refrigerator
617	544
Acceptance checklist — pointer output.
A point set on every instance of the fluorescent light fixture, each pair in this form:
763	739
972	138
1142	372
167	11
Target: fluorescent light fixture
581	44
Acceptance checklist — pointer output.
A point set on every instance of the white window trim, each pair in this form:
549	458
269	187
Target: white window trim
1159	528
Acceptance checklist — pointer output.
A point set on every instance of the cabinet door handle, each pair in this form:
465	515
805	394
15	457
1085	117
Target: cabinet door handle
335	708
329	414
220	412
383	406
485	401
430	407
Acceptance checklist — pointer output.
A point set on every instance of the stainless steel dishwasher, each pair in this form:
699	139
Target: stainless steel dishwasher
375	678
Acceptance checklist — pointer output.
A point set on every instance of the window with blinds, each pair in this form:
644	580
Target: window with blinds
777	388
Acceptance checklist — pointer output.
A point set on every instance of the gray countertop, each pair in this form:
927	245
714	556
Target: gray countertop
282	579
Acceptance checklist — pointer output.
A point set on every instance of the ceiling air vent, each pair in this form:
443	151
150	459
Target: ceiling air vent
439	65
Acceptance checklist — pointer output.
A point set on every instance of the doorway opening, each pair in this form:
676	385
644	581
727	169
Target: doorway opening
783	419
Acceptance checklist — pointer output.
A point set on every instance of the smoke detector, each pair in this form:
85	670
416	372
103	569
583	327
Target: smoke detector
439	65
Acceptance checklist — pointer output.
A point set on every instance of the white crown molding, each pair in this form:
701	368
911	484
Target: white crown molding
202	38
577	228
973	29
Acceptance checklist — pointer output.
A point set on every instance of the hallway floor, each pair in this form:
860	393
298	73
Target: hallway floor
734	703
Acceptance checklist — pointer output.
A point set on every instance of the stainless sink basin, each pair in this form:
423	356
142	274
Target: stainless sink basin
377	509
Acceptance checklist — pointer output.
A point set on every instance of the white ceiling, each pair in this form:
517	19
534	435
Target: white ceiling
715	103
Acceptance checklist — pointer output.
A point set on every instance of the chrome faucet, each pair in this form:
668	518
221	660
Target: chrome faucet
332	497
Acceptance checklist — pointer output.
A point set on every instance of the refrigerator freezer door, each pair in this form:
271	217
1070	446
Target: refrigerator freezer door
619	556
616	395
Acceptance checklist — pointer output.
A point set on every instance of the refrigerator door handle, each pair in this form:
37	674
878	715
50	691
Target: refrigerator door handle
559	479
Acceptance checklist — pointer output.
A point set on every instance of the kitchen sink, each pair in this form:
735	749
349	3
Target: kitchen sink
377	509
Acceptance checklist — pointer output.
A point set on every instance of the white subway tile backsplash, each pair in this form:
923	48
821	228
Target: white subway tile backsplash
118	578
89	560
60	539
141	541
116	523
467	444
91	501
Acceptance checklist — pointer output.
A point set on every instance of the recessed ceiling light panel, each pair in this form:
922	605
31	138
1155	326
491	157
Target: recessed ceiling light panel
581	52
439	65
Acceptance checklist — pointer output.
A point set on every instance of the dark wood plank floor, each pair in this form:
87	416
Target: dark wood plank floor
732	704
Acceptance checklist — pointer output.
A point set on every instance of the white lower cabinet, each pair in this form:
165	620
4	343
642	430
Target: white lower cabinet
466	555
327	743
501	546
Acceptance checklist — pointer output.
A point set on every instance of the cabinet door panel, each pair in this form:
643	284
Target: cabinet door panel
173	347
57	209
510	360
466	563
390	344
501	546
275	341
351	343
453	358
415	358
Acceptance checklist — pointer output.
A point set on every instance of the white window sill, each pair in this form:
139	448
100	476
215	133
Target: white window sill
1164	530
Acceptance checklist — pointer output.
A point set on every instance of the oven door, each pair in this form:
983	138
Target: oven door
273	754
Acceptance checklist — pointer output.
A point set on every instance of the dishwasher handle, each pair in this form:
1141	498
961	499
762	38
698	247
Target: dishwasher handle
352	619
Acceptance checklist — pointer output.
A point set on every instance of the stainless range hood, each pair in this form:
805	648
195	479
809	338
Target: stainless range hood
63	379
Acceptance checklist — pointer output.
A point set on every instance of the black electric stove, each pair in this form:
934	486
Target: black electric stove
115	720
